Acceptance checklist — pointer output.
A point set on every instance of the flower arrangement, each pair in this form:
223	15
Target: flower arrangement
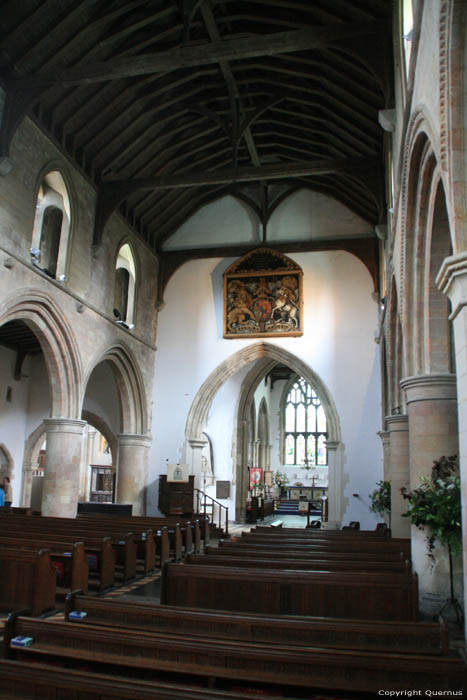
436	505
381	499
280	480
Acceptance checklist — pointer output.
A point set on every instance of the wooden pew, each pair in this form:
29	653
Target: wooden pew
71	557
309	564
66	528
360	595
320	534
27	581
190	529
20	680
279	667
243	548
334	633
98	549
344	542
123	541
388	547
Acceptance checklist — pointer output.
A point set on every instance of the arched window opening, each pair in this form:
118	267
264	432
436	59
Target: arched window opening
305	431
406	16
50	240
51	232
125	284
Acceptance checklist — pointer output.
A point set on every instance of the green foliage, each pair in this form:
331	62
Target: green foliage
436	505
381	498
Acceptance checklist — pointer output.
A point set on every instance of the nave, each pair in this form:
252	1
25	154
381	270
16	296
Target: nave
281	612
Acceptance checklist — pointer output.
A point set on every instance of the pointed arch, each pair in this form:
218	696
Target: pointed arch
199	410
130	386
62	358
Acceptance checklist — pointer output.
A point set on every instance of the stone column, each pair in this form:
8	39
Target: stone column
132	470
385	441
452	281
65	442
433	432
86	475
335	484
398	472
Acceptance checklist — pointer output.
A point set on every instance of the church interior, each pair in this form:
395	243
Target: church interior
233	283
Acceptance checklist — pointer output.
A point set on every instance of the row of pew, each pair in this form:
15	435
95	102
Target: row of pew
42	559
202	643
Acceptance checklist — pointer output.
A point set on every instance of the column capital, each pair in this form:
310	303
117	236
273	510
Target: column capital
452	281
133	439
65	425
430	387
396	423
332	444
197	444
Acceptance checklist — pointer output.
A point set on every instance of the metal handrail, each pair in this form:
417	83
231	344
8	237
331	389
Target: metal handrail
203	501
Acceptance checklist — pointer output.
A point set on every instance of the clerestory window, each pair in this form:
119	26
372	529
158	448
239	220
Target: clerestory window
305	431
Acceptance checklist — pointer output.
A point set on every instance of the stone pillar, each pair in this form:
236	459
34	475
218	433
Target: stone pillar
452	281
433	432
398	472
385	441
335	483
65	442
132	470
86	473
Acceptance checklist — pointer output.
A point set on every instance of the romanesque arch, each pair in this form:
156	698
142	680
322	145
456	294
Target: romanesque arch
40	312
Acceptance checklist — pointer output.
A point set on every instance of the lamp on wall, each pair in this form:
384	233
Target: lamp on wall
121	322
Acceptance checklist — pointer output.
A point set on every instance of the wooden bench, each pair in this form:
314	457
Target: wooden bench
360	595
320	546
244	548
190	529
347	542
69	559
309	564
312	533
334	633
123	543
98	551
279	667
21	680
27	581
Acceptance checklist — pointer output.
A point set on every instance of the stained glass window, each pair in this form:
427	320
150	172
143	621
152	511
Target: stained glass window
305	432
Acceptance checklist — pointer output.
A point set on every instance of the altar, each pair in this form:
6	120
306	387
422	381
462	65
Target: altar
310	493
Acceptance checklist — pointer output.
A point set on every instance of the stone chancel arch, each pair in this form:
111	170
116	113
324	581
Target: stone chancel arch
262	357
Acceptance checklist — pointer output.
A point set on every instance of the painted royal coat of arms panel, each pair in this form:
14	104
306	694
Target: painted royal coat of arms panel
263	296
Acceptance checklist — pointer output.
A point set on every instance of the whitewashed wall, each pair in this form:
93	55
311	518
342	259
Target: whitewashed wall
340	318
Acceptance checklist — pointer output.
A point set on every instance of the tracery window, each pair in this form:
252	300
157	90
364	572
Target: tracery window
305	431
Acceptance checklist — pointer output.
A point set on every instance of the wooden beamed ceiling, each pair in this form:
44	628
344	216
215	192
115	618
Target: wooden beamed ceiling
168	104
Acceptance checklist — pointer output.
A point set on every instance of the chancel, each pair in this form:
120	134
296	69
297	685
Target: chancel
233	272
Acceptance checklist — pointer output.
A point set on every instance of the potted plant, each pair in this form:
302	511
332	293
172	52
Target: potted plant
381	500
436	506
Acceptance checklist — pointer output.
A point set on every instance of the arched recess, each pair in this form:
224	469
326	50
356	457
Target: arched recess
38	311
6	462
263	434
130	386
265	356
125	283
51	235
32	449
99	424
452	116
395	354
